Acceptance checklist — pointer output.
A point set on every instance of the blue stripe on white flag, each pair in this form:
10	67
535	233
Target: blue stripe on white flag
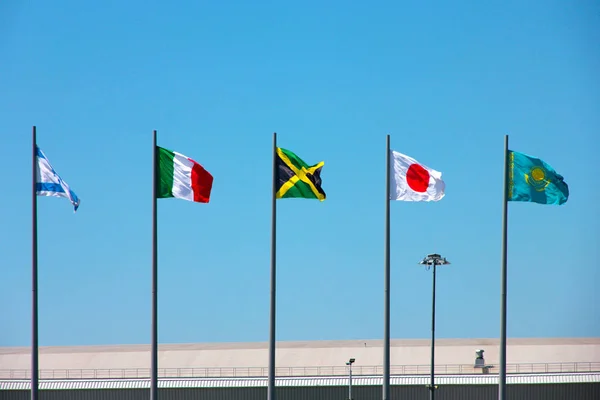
39	153
48	187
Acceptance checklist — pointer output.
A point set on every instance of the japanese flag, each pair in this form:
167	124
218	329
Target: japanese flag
412	181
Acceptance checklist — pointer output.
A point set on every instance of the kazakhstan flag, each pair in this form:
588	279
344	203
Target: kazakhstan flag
531	179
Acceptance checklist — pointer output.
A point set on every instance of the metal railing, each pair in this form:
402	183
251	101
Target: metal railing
246	372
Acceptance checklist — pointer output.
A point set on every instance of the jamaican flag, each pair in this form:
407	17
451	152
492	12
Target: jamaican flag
295	178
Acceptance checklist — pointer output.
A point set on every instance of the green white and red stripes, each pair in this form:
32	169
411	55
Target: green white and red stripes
181	177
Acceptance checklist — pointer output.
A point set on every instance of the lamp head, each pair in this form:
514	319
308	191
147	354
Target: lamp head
434	259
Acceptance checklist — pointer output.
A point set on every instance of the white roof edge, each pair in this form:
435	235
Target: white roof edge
482	379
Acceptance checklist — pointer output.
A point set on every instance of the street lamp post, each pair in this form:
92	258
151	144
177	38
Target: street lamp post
349	364
433	260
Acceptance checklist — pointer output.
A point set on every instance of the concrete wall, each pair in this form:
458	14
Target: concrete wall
590	391
304	354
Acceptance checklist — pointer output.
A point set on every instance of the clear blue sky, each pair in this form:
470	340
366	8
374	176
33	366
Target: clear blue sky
446	79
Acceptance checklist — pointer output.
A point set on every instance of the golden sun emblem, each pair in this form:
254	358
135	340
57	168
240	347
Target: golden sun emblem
537	179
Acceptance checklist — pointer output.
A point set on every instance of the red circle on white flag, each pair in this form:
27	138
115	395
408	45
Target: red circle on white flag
417	178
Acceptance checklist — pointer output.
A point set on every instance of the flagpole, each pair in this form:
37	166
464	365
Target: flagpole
34	274
503	280
386	285
154	329
271	382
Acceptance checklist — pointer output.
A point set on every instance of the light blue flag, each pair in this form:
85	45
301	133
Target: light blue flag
48	183
531	179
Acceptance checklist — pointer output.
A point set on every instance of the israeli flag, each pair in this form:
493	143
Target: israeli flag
48	183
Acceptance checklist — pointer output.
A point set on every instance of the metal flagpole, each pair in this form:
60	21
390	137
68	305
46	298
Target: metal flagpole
386	284
502	374
271	382
34	274
154	329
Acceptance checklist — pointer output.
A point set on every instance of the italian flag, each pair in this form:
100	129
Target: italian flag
181	177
